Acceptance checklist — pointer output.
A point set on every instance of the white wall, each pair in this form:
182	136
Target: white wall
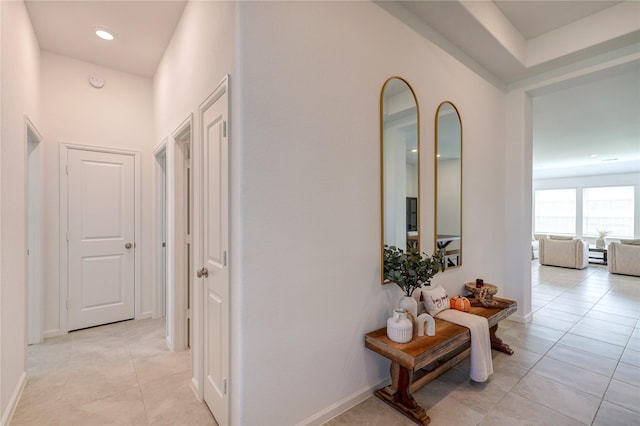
201	52
396	178
310	218
120	115
20	89
517	159
449	200
2	405
412	181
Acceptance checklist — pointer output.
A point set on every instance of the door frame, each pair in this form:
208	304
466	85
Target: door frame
176	220
35	232
64	212
160	231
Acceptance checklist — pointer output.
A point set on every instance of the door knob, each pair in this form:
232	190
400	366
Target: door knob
128	245
204	272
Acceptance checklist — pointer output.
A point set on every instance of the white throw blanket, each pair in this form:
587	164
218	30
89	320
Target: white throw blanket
481	362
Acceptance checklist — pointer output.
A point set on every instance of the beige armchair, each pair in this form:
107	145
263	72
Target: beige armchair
568	253
624	259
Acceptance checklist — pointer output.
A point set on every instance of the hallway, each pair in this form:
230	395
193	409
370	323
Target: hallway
120	373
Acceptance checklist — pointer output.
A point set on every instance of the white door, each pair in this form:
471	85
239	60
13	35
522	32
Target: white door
215	209
101	208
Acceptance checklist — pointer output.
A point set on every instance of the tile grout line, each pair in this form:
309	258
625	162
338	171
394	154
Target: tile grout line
558	341
610	288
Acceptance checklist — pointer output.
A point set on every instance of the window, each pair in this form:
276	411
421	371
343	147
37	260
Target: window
608	209
555	211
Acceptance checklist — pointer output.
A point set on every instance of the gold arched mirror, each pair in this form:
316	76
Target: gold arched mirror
400	164
448	170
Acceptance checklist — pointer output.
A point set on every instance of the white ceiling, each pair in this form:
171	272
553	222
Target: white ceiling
535	18
589	128
504	41
142	31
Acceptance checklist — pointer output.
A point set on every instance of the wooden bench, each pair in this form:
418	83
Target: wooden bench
423	359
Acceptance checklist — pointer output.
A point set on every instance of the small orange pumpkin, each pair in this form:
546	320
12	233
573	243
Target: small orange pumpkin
460	303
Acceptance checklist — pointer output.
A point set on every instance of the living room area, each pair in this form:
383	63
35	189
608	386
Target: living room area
586	175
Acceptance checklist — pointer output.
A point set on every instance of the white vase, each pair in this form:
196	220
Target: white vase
410	304
600	242
400	327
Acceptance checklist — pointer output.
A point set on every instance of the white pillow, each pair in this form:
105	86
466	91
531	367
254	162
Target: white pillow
436	299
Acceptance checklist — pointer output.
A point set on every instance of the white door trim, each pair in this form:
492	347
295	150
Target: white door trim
176	222
35	233
159	231
182	139
64	211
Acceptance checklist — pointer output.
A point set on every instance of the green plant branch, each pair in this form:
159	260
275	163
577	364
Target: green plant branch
411	269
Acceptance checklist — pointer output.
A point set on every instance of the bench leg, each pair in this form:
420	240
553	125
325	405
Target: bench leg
398	395
497	343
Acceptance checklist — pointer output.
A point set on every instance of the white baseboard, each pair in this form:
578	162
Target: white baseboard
13	402
54	332
195	388
521	318
144	315
170	344
343	405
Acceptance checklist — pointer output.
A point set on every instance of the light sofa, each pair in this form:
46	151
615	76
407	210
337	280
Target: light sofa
568	253
624	258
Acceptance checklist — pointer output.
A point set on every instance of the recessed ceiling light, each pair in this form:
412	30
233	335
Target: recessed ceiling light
104	34
438	155
414	150
593	155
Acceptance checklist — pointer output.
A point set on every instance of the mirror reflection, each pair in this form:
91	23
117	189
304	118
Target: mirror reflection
400	141
449	183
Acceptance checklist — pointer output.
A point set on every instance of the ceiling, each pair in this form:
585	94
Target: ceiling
511	42
589	128
506	42
535	18
142	31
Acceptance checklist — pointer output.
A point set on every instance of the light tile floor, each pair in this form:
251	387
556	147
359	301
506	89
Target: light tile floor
576	363
117	374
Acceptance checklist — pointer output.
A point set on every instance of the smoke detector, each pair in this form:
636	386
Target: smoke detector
96	81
